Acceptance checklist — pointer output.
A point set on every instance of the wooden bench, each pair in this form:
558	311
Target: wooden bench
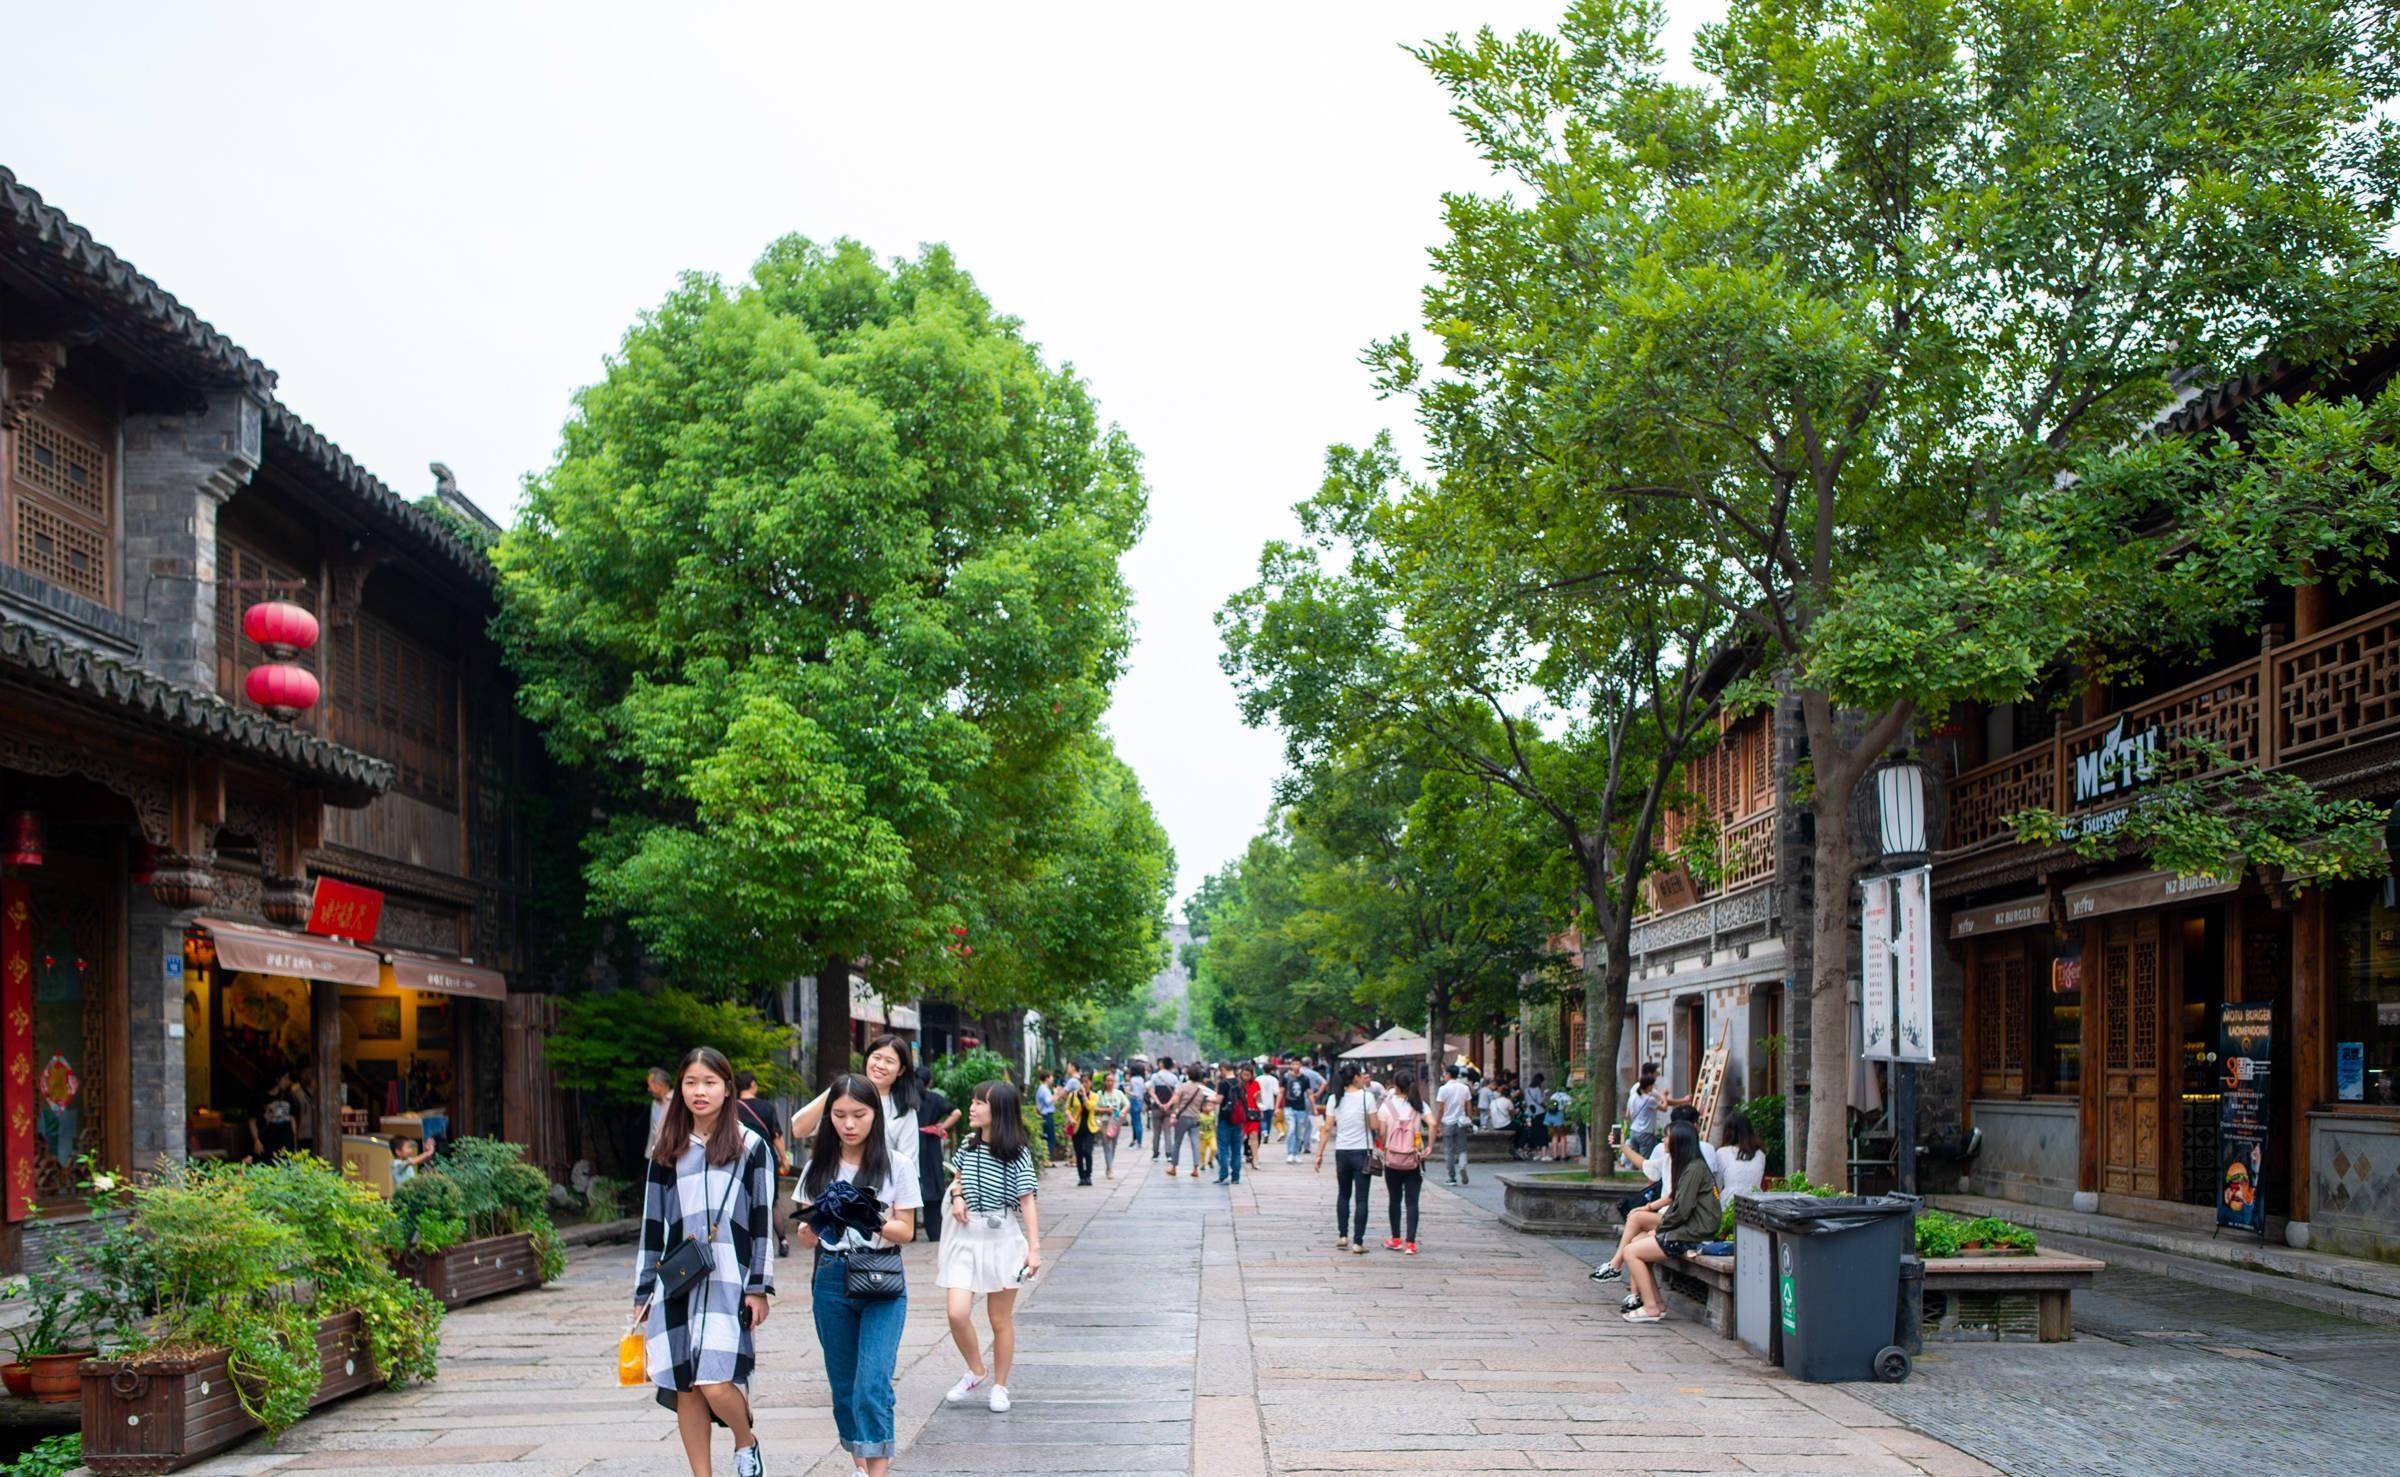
1705	1285
2051	1277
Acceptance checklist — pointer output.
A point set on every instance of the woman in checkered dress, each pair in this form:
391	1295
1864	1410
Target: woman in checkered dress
712	1180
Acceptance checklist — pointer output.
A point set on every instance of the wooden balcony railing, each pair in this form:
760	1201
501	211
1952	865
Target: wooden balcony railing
2337	688
1748	848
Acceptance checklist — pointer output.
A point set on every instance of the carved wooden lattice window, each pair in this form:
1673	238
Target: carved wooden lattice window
2144	1005
62	506
244	578
397	699
2116	1003
2001	1010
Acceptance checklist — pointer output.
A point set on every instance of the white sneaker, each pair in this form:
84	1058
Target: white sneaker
999	1400
747	1462
968	1384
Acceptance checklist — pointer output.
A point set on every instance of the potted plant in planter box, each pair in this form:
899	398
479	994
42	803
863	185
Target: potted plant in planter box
49	1344
477	1223
249	1294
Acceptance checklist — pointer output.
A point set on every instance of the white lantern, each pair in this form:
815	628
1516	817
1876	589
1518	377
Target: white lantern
1900	806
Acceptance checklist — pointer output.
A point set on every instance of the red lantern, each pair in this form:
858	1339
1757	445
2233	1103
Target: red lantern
282	628
23	844
284	691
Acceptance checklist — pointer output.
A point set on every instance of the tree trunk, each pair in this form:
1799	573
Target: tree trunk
1437	1030
1603	1037
1829	1044
833	1021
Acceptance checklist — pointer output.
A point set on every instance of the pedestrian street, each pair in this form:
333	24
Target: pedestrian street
1179	1329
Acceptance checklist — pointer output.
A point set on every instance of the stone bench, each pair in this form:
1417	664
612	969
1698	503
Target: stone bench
1701	1288
2050	1277
1540	1206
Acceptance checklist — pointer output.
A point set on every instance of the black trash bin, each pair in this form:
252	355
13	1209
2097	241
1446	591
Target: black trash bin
1837	1280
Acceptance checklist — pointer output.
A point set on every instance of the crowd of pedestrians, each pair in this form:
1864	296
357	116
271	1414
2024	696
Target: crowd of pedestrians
871	1164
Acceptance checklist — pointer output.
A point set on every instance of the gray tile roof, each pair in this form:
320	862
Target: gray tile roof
56	248
97	677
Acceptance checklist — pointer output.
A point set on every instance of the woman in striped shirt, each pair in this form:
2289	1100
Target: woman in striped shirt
995	1242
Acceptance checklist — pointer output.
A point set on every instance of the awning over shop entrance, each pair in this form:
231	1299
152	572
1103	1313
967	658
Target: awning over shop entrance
448	977
252	949
2143	890
2024	912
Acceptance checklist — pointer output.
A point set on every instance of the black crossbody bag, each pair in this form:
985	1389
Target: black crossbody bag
688	1261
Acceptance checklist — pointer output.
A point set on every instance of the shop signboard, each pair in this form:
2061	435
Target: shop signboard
2350	1071
2246	1065
345	910
1875	969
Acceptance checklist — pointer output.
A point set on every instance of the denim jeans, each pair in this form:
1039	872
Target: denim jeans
1137	1115
1299	1133
861	1341
1229	1154
1050	1133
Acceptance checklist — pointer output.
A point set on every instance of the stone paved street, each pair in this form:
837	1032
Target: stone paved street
1182	1329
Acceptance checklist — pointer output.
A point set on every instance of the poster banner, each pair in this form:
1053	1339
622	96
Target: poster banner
1912	966
1875	969
2246	1064
16	1044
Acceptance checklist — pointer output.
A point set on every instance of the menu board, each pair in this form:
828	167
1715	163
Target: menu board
2246	1062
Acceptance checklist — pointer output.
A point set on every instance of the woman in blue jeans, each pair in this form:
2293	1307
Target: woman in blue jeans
860	1336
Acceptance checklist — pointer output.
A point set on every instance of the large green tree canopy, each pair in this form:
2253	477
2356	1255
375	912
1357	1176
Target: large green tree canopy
823	589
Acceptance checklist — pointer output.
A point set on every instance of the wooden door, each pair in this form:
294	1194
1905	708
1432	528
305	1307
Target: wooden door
2132	1083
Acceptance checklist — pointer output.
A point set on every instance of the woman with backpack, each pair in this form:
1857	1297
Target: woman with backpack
1402	1130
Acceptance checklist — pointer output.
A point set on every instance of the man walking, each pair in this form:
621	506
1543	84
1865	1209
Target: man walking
1299	1115
1233	1127
1157	1092
1184	1108
1453	1105
1270	1097
1045	1102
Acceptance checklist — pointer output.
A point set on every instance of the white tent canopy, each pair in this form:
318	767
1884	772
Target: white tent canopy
1397	1044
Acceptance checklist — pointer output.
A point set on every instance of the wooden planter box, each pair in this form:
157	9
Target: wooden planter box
159	1414
475	1269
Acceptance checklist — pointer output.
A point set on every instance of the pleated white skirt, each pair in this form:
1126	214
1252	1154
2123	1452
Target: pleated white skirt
984	1255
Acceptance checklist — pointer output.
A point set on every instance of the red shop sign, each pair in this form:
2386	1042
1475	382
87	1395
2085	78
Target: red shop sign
345	910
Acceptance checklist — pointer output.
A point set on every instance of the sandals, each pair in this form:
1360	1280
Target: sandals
1643	1315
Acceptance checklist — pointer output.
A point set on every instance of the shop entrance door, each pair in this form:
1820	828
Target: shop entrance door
2130	1079
2267	976
76	989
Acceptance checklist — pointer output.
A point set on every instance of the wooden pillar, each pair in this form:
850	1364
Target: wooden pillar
2307	1053
2089	1127
2308	609
325	1061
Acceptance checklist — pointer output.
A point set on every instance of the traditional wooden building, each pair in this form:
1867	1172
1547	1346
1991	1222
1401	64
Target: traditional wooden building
2091	993
167	838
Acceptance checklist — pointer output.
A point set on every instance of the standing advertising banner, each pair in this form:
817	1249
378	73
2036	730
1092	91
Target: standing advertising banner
2246	1058
1875	969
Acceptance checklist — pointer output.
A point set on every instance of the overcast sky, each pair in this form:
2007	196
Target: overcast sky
434	220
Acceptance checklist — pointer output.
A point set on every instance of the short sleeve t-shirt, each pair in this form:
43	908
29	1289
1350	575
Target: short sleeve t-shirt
1270	1092
1453	1100
1642	1116
989	1185
1044	1100
1350	1120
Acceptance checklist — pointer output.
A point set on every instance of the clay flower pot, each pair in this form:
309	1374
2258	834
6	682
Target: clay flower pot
19	1378
55	1381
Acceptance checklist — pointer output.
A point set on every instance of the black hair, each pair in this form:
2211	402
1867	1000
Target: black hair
825	1150
1404	1082
744	1080
1004	1135
1649	1079
724	1144
904	1085
1539	1078
1166	1063
1684	1113
1742	1136
1683	1145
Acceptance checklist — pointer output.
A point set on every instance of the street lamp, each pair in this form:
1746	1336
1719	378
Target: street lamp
1900	820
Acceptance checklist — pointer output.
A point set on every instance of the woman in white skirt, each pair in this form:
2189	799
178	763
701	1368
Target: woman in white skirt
995	1238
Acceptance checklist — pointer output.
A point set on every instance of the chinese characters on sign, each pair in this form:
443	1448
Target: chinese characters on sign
16	1043
345	910
1895	989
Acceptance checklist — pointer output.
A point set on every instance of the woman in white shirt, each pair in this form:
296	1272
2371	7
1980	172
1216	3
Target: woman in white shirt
895	1077
860	1337
1740	1163
1349	1130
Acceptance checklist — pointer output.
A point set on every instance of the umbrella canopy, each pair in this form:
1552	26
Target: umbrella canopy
1398	1043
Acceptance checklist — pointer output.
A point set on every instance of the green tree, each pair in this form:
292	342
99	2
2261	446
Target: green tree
1830	332
823	592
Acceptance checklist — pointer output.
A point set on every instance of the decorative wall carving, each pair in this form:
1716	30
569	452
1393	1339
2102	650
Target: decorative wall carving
240	892
145	788
184	880
430	928
32	367
285	900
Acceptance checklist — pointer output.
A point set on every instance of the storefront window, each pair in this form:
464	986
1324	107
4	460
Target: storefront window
2365	1050
2058	1018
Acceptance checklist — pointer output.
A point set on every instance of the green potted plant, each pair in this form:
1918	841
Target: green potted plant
250	1294
477	1223
50	1343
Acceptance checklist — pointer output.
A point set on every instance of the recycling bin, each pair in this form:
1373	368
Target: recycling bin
1837	1272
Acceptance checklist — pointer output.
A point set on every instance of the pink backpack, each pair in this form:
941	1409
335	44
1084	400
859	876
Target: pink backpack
1402	1124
